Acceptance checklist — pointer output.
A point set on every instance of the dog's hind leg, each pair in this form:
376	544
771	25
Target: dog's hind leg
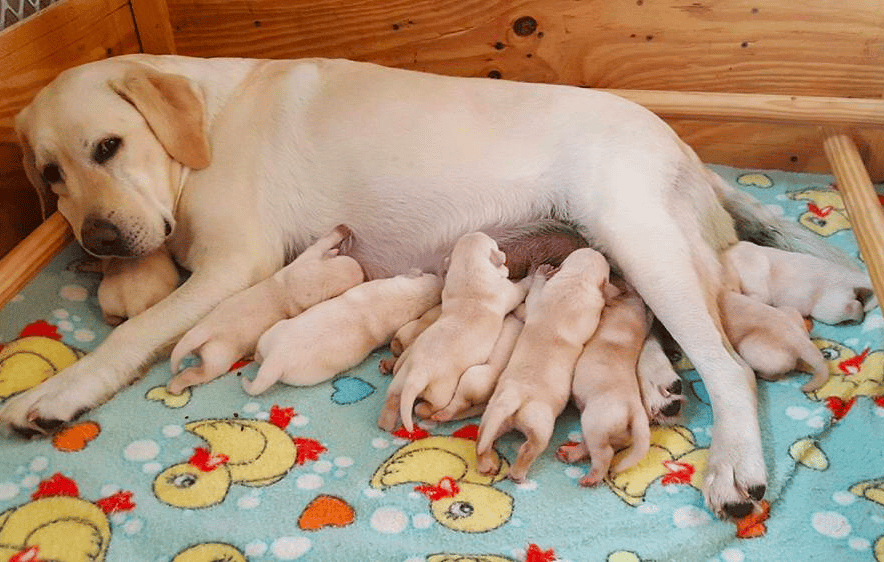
677	273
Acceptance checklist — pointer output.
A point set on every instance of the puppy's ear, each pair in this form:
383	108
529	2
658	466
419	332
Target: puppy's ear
29	161
498	258
174	109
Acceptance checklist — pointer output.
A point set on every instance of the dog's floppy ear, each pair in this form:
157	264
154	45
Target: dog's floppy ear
173	108
30	165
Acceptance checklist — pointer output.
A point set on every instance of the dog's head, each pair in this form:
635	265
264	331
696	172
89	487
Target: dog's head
110	139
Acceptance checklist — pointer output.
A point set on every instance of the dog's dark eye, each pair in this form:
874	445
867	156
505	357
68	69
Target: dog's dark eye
106	149
51	173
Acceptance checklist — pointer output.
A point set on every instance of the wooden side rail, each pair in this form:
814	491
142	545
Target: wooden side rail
861	202
760	108
31	255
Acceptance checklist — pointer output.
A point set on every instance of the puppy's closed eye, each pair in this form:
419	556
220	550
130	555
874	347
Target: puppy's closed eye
105	149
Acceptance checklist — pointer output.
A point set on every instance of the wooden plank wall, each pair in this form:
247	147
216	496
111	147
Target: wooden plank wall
32	52
813	47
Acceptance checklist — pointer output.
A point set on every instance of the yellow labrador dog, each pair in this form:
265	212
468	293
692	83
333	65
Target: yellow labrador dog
237	165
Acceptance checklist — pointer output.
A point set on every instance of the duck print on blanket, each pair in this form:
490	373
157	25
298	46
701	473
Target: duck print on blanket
58	525
248	452
36	355
445	470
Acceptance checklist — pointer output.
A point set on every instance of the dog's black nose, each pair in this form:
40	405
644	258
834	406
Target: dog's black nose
102	238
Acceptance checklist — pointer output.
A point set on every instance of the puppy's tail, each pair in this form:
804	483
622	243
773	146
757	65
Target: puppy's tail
189	342
811	355
756	223
641	442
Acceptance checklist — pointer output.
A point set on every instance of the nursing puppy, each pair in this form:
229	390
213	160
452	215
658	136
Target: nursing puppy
339	333
232	329
476	297
476	384
773	341
237	165
561	314
606	389
828	292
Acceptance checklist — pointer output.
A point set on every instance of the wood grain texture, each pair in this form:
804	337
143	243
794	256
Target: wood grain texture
154	27
26	260
32	53
860	200
814	47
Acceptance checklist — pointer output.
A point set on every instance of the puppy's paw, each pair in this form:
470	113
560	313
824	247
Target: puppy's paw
572	452
131	286
735	482
662	399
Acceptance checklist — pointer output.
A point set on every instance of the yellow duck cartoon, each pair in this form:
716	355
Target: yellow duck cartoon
59	526
210	552
446	471
674	457
852	373
825	213
247	452
872	490
32	358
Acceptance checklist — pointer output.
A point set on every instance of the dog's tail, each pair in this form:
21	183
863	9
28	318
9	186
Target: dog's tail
758	224
641	442
189	342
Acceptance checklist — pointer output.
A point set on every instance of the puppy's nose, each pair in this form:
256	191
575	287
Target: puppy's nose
102	238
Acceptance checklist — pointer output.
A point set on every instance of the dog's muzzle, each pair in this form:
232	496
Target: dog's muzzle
102	238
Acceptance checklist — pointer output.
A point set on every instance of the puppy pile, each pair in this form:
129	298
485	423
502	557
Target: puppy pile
515	351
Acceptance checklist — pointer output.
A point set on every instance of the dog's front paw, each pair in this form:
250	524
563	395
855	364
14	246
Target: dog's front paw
735	482
44	408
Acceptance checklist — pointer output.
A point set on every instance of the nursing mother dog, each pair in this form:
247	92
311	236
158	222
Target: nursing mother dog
237	165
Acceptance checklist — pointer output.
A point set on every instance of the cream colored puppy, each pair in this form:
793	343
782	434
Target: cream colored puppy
773	341
338	334
232	329
476	385
606	390
476	298
826	291
561	314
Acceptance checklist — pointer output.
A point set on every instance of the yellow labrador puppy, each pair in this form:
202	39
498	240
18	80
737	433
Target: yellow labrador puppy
237	165
476	384
606	389
823	290
476	298
561	314
773	341
339	333
232	329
